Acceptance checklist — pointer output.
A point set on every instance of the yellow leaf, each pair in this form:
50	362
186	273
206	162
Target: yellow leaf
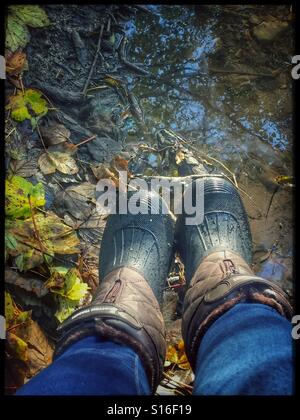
172	355
183	363
18	347
283	180
180	345
17	203
13	314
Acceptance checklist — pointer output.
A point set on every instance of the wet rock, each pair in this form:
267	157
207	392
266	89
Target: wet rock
267	31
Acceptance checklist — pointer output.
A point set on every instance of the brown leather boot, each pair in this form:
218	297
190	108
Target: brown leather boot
218	276
136	253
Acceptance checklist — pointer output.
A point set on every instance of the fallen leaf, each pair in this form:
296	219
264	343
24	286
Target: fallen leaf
17	190
40	351
31	15
17	34
14	315
62	162
21	103
27	349
24	168
16	63
74	288
55	133
176	355
79	201
35	286
111	171
18	347
65	309
69	289
55	237
172	355
119	164
183	362
36	102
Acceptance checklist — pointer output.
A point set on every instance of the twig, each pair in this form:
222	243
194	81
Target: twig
97	88
85	141
21	84
94	62
108	25
10	133
41	138
271	200
177	382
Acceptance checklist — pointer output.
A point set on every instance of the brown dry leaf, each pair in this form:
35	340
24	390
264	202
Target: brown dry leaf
104	171
119	163
57	161
24	168
86	191
111	171
55	133
27	348
70	148
29	284
78	201
40	351
16	63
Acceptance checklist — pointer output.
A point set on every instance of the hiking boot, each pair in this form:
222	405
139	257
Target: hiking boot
217	256
135	258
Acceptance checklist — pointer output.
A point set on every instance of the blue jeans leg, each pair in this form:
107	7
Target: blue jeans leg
247	351
92	366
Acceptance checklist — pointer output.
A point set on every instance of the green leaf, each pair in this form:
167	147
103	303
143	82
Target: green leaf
22	103
65	308
10	241
17	34
31	15
68	296
35	100
74	289
17	190
9	309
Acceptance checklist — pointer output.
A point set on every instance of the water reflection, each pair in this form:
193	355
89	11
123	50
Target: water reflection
186	46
